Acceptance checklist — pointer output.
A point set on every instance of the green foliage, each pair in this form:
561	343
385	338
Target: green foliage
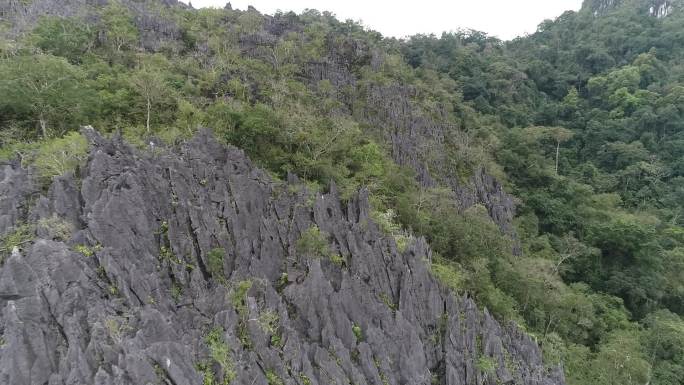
176	291
220	353
215	262
313	243
59	156
448	274
269	321
387	222
621	361
85	250
486	365
358	333
17	236
303	378
43	92
239	295
582	121
156	94
120	31
273	379
388	301
337	259
238	298
204	368
68	38
664	342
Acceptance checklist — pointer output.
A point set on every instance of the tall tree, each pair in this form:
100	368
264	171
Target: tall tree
560	135
69	38
43	89
149	82
119	28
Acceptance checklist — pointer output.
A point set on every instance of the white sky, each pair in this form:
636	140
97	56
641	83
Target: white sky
505	19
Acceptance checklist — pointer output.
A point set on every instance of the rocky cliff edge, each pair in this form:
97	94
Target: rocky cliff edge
191	266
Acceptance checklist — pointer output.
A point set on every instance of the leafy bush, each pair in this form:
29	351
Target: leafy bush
238	298
18	236
215	259
358	333
448	274
273	379
219	351
57	228
314	243
59	156
85	250
44	94
66	37
486	365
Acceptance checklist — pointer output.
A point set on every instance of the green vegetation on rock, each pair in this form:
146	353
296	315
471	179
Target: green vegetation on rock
582	121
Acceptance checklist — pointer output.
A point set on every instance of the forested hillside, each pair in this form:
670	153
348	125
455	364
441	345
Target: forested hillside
547	172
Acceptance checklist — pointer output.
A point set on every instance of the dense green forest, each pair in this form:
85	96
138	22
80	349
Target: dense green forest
582	121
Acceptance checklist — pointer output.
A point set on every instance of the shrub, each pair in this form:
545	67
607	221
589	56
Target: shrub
387	222
273	378
337	259
313	243
269	321
220	353
486	364
215	262
358	333
448	274
85	250
21	235
238	296
58	156
56	227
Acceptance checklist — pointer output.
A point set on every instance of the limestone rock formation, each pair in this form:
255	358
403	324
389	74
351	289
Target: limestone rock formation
655	8
15	188
188	263
156	31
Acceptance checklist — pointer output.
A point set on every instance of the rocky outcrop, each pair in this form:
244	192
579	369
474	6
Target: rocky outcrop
156	31
600	6
421	142
418	139
655	8
661	8
15	190
188	263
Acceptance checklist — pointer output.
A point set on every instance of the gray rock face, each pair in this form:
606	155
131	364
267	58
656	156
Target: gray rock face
655	8
422	143
189	262
418	139
156	31
15	189
600	6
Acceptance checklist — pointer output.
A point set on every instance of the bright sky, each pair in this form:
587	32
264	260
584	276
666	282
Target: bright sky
505	19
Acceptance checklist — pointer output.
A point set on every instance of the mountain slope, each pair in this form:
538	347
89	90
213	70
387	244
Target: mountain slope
183	264
545	173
